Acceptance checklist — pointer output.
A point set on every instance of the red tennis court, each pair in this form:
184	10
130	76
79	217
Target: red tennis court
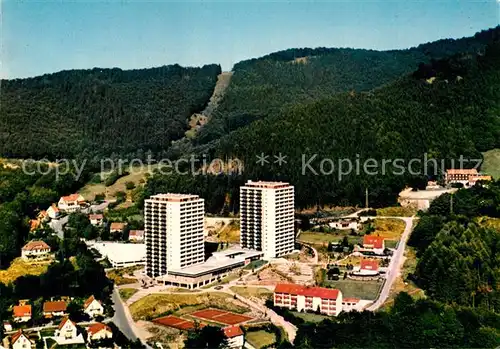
175	322
221	316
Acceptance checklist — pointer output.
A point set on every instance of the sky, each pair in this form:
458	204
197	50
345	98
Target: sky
48	36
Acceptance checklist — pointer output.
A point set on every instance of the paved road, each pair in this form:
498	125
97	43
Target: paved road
395	264
121	318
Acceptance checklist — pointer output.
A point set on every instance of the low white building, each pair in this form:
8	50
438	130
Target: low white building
374	244
235	337
121	254
71	203
136	235
344	225
96	219
53	212
92	307
54	308
34	250
21	313
67	333
302	298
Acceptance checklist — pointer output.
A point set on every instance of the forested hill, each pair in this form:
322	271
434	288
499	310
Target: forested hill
101	111
446	109
263	86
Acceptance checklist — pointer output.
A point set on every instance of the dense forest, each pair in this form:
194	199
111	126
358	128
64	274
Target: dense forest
100	112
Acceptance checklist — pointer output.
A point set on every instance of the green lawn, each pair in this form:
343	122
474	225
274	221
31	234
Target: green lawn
358	289
325	238
255	264
491	164
391	243
259	339
126	293
310	317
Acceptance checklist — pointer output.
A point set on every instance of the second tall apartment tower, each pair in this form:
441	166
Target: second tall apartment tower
173	229
267	217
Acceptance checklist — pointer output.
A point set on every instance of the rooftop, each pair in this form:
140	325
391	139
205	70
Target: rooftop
465	171
119	252
264	184
321	292
233	331
376	241
369	264
54	306
94	328
36	245
22	310
173	197
72	197
89	301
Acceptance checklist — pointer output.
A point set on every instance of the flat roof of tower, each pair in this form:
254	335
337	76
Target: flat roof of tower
266	184
173	197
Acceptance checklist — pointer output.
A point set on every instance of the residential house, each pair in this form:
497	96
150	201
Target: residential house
99	331
368	267
235	337
54	308
303	298
43	216
20	340
136	235
479	178
96	219
67	333
431	185
117	227
53	212
35	249
92	307
7	327
349	304
71	203
374	243
21	313
34	224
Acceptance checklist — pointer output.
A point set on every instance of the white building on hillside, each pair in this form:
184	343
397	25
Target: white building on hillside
71	203
235	337
35	249
173	231
267	217
92	307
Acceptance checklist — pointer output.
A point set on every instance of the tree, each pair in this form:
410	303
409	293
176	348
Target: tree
129	185
206	337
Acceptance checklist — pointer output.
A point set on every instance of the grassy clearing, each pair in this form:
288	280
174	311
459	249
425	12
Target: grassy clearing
310	317
259	339
117	275
397	211
391	243
317	238
230	232
253	292
489	222
358	289
19	267
155	305
491	164
126	293
389	228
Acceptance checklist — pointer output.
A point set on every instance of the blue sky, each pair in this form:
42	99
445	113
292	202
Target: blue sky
44	37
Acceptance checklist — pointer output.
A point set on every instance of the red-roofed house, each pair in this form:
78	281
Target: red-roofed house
349	304
368	267
479	178
460	175
235	337
71	203
93	307
54	308
35	249
21	341
21	313
117	227
328	301
53	212
374	243
67	333
99	331
136	235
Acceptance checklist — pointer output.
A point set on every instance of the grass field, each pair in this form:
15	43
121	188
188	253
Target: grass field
252	292
156	304
396	211
126	293
491	164
136	175
117	276
358	289
229	232
489	222
318	238
259	339
19	267
310	317
389	228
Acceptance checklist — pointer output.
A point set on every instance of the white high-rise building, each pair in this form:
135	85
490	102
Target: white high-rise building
267	217
173	231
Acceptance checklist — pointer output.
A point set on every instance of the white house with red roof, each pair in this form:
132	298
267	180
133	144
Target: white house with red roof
67	333
136	235
35	249
71	203
303	298
92	307
99	331
21	313
235	337
53	212
367	267
96	219
374	243
20	340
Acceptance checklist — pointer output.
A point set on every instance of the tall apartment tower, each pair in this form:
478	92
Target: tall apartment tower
267	217
173	231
